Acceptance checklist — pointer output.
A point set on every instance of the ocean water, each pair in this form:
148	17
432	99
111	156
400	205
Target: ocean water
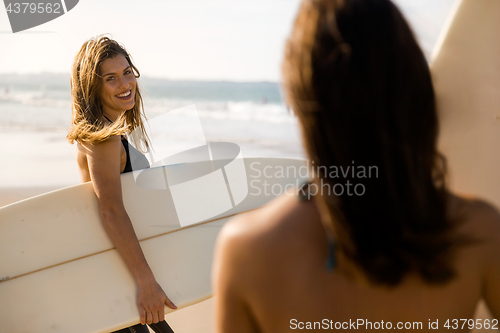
35	114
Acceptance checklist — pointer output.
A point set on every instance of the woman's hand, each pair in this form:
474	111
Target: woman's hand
151	301
104	167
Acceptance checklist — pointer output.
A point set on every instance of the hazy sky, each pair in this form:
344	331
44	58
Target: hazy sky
236	40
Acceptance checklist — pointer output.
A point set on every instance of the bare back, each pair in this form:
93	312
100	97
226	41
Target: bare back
270	276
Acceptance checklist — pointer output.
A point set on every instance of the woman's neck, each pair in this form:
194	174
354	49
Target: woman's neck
111	115
111	118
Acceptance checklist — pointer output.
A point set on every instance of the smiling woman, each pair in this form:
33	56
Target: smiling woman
106	104
103	70
118	89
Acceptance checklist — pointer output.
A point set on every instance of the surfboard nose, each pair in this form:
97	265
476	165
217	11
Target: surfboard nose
466	75
26	15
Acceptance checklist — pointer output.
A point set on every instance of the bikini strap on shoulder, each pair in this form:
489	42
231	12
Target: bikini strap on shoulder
303	193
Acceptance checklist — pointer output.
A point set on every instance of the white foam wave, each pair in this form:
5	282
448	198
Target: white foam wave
33	98
239	111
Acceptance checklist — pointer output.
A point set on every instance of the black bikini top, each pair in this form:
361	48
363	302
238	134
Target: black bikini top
303	194
134	156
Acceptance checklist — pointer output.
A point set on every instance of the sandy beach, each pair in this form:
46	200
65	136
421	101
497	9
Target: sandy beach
193	319
15	194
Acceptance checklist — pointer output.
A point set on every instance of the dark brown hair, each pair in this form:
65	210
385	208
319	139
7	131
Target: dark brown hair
87	125
361	88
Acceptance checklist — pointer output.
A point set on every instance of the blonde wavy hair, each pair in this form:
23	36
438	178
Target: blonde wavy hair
86	82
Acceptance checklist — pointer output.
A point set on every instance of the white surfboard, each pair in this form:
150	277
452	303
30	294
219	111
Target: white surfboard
466	74
60	273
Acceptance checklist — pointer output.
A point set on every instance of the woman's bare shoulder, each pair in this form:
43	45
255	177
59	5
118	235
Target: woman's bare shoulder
284	215
259	235
483	223
98	161
253	242
277	218
282	221
88	148
478	217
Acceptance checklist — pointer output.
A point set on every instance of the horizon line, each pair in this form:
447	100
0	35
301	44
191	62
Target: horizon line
41	73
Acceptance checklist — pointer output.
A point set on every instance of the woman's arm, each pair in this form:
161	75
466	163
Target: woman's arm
229	275
104	166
